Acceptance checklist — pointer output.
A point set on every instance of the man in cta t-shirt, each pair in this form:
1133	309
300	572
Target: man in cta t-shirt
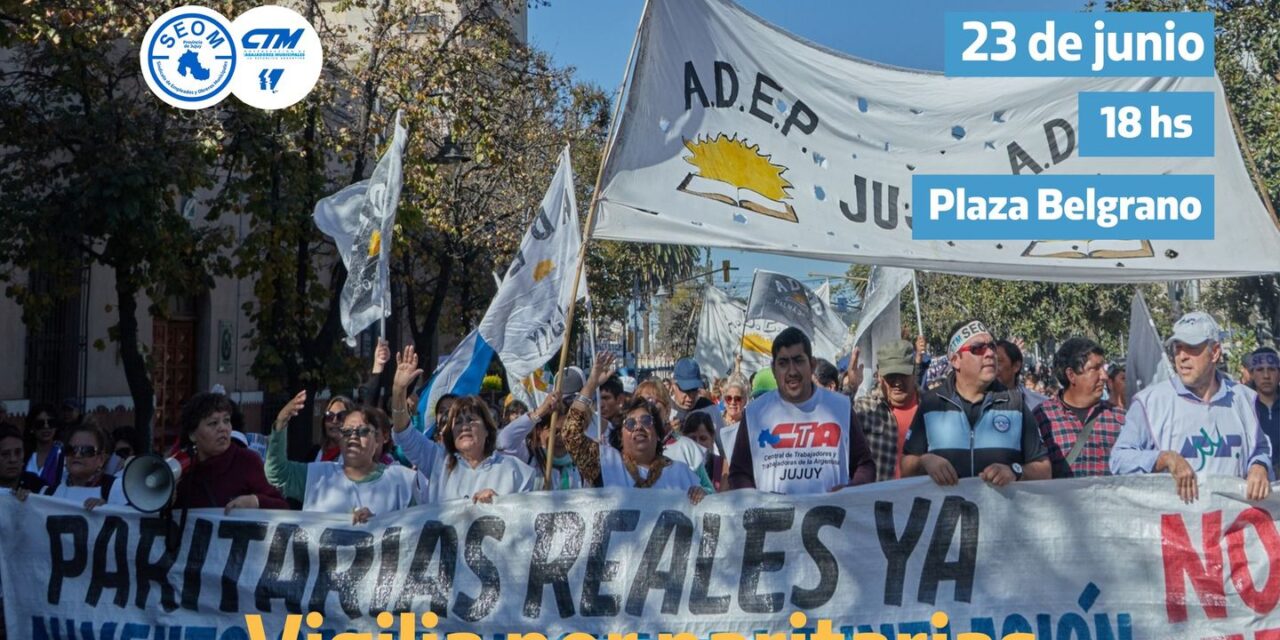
799	439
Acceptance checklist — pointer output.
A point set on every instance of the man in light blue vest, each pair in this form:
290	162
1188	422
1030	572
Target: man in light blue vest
1199	422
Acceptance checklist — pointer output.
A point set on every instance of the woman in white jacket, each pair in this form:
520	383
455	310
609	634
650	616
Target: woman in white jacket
357	482
467	465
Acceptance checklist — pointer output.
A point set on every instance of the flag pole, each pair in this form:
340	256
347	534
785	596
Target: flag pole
586	236
915	294
742	338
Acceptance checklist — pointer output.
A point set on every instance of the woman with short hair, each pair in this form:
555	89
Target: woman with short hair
222	475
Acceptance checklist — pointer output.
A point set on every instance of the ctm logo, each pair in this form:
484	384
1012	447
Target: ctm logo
799	435
271	38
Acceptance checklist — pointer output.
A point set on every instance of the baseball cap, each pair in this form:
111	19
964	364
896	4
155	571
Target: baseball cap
573	380
688	375
1195	328
896	357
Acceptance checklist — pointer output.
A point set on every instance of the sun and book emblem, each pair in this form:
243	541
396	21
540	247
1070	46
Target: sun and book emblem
1089	249
737	174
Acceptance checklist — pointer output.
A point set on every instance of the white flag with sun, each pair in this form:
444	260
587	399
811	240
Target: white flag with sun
525	323
736	134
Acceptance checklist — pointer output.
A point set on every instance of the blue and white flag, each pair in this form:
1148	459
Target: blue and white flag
525	323
460	375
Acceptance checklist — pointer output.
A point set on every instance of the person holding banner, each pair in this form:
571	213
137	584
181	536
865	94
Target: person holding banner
675	445
467	466
222	475
801	438
359	483
1197	422
640	464
886	413
971	425
1078	427
1264	371
87	481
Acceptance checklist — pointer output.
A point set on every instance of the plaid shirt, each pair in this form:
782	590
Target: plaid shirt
1059	428
881	429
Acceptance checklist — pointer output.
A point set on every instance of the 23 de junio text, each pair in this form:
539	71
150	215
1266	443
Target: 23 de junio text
1080	44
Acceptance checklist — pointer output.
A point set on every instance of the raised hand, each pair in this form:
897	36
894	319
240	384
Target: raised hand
290	409
853	375
406	369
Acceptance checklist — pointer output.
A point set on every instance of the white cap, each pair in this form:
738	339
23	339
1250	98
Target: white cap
1195	328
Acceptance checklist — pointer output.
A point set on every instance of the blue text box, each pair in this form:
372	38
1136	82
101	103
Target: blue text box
1066	207
1160	118
1007	43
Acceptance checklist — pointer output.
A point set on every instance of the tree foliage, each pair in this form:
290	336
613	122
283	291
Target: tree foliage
93	169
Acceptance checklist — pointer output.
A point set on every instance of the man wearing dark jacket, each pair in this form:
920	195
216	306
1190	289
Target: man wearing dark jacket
971	425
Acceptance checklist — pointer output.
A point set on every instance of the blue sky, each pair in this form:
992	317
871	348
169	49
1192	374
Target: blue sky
594	37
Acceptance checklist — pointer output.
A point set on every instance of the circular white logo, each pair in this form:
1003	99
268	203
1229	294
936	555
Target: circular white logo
280	57
189	57
1001	423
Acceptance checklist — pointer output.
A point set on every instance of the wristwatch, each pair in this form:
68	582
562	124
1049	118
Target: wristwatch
1017	471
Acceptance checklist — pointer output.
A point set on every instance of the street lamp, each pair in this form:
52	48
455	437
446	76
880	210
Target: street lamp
450	152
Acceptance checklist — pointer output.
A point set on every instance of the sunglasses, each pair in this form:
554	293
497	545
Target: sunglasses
332	416
83	451
643	422
124	452
733	399
977	348
361	431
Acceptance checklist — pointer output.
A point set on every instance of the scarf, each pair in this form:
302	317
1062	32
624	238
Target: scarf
564	467
655	470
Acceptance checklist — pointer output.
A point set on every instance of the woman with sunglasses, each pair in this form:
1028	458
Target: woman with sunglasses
87	482
466	465
674	444
331	448
641	463
42	441
361	483
737	392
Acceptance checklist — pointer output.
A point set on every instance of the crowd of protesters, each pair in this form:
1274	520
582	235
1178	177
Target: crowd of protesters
974	411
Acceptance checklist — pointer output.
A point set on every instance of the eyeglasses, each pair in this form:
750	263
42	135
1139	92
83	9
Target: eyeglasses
361	431
733	399
977	348
332	416
83	451
643	422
